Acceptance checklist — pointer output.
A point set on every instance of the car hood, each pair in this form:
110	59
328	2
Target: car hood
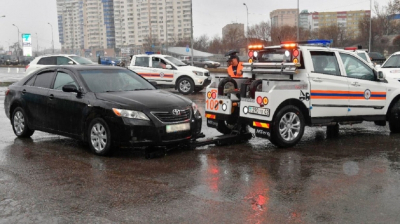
191	68
145	99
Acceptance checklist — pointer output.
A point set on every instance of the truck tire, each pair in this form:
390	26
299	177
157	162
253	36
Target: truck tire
226	84
288	127
185	85
255	86
394	118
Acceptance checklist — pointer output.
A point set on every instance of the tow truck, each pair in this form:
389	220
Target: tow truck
296	84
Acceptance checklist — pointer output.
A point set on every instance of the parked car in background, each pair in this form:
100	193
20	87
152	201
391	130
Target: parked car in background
48	60
376	57
109	61
391	67
361	53
172	72
105	106
25	60
13	60
186	59
205	63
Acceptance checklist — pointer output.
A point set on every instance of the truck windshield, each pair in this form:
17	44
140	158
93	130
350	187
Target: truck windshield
273	55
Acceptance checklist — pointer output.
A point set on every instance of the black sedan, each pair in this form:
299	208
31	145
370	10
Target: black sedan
106	106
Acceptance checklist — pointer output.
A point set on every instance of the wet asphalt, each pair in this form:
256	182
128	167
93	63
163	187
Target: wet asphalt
353	178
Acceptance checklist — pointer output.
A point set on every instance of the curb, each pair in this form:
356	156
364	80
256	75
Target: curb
6	83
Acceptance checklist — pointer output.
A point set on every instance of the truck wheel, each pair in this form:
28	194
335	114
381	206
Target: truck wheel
288	127
20	125
255	86
224	127
394	118
226	84
185	85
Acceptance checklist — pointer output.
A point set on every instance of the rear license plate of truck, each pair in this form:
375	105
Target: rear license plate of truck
177	127
259	111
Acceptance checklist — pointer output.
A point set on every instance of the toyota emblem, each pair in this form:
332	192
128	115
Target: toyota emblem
176	112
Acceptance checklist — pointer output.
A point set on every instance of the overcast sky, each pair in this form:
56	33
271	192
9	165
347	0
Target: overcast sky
209	16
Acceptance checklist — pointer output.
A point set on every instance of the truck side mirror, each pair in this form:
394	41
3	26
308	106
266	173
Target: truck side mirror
381	76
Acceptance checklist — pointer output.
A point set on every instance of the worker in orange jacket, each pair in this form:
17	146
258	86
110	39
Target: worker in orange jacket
235	67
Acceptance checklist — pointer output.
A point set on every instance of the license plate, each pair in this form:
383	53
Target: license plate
177	127
259	111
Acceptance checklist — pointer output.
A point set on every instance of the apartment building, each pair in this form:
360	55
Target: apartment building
140	22
106	24
284	17
347	20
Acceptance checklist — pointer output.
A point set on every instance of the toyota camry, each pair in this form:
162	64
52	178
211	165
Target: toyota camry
107	107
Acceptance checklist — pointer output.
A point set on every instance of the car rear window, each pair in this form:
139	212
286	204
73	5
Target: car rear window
48	61
44	79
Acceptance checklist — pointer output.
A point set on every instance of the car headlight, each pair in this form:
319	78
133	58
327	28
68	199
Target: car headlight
198	73
130	114
195	108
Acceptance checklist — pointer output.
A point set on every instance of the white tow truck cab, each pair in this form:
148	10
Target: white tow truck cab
287	87
171	72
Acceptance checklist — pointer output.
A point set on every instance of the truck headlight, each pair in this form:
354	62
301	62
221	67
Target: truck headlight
198	73
130	114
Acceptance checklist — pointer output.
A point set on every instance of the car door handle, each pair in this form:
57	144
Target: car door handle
317	79
355	84
51	96
23	92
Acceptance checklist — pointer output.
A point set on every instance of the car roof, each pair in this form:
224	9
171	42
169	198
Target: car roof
84	67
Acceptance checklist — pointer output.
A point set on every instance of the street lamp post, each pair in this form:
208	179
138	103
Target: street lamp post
52	38
370	21
247	36
298	20
37	45
17	40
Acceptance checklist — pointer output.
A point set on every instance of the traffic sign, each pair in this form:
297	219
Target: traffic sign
187	48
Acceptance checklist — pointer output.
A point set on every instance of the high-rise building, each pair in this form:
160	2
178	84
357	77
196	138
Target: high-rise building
346	20
105	24
305	20
283	17
233	29
141	22
70	25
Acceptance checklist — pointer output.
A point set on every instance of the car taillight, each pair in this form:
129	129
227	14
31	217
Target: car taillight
7	92
26	67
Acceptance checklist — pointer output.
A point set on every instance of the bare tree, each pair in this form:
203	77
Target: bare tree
201	43
283	33
259	32
215	45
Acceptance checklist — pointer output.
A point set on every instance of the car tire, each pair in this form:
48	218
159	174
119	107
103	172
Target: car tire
394	118
185	85
288	127
254	87
99	137
205	66
19	124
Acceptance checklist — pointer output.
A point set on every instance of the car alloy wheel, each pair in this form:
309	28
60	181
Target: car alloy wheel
98	137
185	86
289	126
19	122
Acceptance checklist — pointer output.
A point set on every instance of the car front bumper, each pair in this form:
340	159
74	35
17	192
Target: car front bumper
127	132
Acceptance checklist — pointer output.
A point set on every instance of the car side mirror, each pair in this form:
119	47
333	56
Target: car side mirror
168	67
70	89
381	76
153	83
71	63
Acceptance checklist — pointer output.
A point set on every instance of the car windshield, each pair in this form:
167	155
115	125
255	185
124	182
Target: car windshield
362	55
175	61
112	80
392	62
272	55
82	61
